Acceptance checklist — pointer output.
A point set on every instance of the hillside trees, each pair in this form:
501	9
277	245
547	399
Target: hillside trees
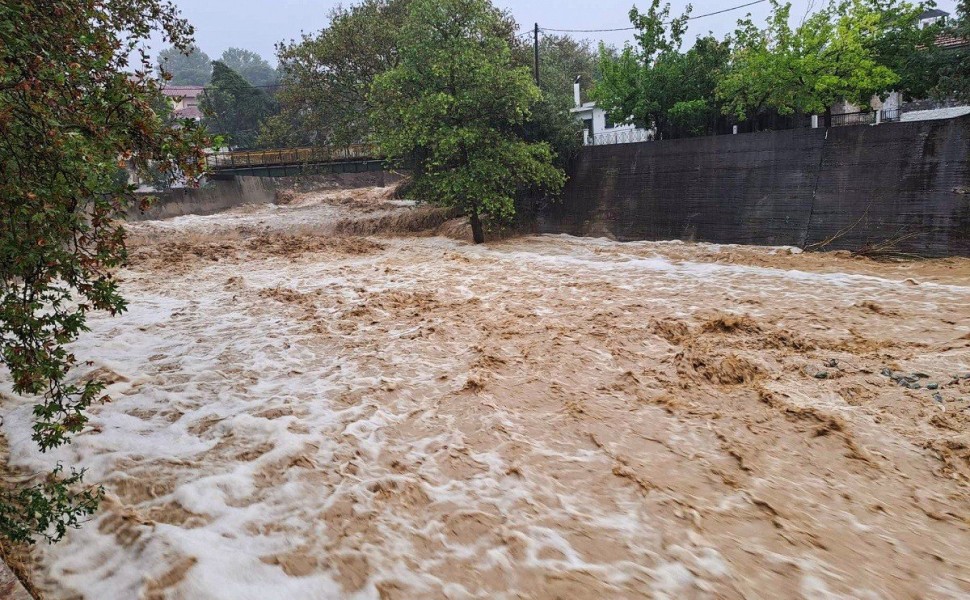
561	60
73	109
250	66
848	50
452	106
233	108
899	42
185	66
326	77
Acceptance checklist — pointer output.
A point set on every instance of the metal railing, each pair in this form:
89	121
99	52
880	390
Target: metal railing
856	118
891	115
627	136
290	156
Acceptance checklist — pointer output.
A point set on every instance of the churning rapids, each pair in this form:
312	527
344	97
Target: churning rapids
305	404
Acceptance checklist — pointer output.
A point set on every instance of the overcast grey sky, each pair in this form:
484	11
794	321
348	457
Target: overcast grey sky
258	24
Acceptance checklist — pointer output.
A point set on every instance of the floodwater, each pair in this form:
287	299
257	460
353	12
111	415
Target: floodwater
297	414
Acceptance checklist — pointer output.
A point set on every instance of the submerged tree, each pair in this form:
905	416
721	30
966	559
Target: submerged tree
451	109
73	110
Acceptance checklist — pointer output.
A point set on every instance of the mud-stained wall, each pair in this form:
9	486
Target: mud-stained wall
845	187
220	194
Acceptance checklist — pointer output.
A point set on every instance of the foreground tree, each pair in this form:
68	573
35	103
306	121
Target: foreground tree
451	109
72	111
251	66
233	108
185	66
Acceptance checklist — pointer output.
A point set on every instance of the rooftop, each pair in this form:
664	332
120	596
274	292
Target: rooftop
933	13
183	91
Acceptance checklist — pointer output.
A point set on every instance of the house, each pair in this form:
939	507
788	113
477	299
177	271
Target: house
932	16
185	100
599	129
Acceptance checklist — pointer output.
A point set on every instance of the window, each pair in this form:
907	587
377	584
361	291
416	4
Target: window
609	123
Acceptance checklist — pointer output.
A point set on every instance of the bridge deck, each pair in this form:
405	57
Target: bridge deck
238	159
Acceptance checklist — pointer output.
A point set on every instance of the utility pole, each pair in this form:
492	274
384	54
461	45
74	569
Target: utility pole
536	48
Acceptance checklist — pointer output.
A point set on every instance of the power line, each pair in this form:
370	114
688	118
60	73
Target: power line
710	14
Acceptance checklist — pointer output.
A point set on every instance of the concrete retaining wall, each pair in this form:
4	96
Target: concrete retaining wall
849	186
220	194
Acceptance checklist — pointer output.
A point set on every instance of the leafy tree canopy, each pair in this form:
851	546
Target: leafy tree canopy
73	111
955	82
251	66
188	66
901	44
842	52
561	60
452	109
655	84
233	108
326	77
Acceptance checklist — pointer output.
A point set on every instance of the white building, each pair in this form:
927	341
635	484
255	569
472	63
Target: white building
597	127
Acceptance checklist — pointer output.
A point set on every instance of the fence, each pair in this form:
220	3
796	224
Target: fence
626	136
857	118
723	125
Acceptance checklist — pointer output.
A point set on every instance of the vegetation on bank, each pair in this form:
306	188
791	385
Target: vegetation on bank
74	110
849	50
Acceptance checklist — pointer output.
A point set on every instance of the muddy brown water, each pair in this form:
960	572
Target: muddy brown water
297	414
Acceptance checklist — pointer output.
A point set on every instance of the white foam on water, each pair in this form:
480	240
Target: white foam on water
229	409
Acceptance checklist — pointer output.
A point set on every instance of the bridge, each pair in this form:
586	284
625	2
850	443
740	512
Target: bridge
283	162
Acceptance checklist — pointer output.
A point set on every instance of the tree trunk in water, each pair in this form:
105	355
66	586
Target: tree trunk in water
477	233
